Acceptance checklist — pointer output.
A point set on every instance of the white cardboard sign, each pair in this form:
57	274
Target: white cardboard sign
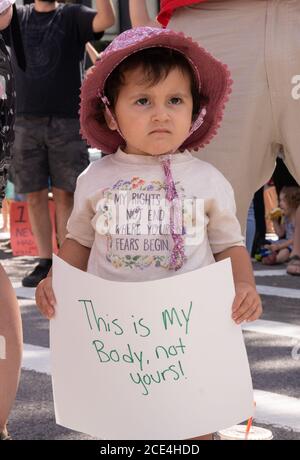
149	360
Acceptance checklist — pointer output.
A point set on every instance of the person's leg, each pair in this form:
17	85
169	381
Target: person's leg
275	258
296	242
40	222
42	230
11	344
260	222
5	216
285	96
251	229
30	174
288	102
282	256
63	207
245	146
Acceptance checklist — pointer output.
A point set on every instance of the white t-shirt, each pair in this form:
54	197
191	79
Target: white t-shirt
119	212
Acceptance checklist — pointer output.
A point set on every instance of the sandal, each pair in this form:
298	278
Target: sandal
4	436
271	259
293	267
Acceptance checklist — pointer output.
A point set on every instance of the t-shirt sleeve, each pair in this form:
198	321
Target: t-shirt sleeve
224	230
79	226
84	20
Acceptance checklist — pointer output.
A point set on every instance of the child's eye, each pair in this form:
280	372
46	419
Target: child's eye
142	101
176	100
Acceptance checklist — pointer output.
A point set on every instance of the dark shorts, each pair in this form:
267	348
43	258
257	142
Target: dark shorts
4	165
47	150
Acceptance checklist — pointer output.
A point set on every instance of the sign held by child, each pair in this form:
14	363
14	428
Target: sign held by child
129	358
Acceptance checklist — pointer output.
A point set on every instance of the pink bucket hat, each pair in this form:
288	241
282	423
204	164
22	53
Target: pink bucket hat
212	76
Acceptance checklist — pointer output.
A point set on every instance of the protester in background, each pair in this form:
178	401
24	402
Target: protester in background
10	320
284	219
262	55
48	149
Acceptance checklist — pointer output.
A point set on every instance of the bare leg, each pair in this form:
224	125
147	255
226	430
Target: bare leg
5	215
282	256
11	330
63	207
40	222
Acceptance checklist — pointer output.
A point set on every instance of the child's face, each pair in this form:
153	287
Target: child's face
154	120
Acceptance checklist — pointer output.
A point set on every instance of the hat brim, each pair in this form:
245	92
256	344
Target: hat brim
215	88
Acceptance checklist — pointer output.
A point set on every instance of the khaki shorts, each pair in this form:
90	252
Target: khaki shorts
260	42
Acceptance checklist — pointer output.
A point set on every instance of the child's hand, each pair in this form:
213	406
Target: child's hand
247	304
44	297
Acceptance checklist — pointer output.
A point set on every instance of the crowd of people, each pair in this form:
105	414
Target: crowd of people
182	117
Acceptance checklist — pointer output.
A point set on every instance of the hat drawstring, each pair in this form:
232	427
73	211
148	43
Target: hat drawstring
199	121
106	103
177	256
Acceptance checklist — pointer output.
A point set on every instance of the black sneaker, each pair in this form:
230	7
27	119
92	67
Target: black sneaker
39	273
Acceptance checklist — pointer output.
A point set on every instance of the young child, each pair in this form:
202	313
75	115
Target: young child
10	319
153	95
284	226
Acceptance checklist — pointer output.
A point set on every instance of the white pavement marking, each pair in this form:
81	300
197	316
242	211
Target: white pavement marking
29	293
270	272
273	328
4	236
23	292
271	408
279	292
36	359
279	410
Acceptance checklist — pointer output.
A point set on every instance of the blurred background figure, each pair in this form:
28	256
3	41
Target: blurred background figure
47	138
10	319
263	113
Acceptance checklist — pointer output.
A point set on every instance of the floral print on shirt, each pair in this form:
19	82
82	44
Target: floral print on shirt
127	247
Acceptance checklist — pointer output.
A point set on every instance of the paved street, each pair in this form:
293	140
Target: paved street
273	345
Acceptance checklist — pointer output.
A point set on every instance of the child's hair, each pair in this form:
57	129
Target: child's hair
156	63
292	196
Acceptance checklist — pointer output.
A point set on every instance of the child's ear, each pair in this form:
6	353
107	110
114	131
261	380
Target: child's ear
110	121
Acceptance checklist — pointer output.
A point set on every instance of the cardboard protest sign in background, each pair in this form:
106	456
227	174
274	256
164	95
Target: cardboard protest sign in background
21	236
149	360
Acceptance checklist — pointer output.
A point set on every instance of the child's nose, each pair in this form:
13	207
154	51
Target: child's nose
160	113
